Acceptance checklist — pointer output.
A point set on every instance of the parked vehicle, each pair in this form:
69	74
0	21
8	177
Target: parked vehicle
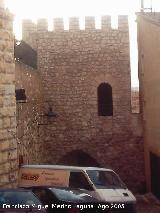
19	200
63	199
105	182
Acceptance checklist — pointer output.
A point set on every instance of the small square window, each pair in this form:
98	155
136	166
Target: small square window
20	95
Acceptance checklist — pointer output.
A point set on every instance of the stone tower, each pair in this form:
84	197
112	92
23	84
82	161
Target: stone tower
8	147
75	66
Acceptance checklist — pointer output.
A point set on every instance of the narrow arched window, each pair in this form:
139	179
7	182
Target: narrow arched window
105	102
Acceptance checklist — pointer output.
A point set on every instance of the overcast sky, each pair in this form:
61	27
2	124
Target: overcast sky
50	8
34	9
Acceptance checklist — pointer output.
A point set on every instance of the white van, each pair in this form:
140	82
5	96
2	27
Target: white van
105	182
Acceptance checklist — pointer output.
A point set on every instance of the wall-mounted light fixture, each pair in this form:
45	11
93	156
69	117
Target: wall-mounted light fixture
50	113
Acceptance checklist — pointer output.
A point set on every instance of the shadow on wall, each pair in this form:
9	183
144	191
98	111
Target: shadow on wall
78	158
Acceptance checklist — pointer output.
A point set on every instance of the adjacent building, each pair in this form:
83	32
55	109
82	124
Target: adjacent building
149	75
8	145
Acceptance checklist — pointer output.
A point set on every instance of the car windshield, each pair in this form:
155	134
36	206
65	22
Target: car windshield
105	179
14	198
72	195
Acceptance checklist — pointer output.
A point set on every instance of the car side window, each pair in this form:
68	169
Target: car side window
42	195
78	180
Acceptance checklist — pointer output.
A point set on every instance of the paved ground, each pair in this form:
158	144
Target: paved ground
148	204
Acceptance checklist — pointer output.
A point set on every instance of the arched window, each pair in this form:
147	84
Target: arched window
105	103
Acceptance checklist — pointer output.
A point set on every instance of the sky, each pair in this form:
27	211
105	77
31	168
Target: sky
34	9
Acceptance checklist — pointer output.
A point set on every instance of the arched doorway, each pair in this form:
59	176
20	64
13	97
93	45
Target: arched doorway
78	158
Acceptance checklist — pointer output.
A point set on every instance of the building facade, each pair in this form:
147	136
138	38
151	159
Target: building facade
86	81
73	104
149	51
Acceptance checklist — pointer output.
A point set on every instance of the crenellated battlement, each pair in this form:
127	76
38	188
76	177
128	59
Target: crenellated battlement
58	24
74	24
28	27
42	25
89	23
106	22
122	22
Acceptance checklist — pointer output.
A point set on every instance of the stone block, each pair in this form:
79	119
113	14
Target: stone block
74	23
7	92
8	111
106	22
42	25
89	23
4	145
4	179
4	156
6	123
12	154
9	89
58	24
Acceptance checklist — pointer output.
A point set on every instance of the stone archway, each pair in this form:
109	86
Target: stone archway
78	158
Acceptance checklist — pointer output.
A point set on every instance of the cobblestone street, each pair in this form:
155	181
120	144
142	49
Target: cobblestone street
147	203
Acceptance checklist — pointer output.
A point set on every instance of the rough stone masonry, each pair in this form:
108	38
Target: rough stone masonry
8	147
73	64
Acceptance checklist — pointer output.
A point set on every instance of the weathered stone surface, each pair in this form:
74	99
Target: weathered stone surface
72	65
29	113
7	102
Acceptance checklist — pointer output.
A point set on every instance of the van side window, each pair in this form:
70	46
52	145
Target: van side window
78	180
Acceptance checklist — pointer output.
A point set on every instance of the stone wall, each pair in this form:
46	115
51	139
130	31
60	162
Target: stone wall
135	100
72	65
28	33
29	113
8	146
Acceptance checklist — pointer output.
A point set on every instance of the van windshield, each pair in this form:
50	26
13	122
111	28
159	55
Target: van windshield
105	179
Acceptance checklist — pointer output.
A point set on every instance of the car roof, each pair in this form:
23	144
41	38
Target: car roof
54	187
64	167
15	190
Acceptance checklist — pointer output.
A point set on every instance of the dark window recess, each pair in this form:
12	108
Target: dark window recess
43	195
105	103
20	95
25	54
78	180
